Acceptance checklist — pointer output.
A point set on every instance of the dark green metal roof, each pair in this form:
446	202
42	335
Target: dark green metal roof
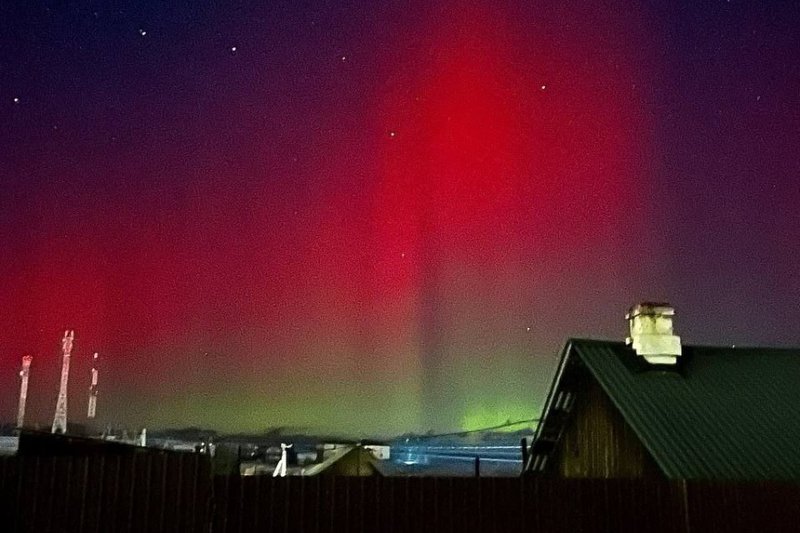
723	413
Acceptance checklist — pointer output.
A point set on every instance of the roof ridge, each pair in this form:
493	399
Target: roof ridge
727	347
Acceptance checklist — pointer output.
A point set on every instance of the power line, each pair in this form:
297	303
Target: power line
479	430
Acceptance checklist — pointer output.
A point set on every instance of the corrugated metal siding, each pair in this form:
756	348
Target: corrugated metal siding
728	414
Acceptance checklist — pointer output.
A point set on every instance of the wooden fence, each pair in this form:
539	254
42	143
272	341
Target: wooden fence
176	493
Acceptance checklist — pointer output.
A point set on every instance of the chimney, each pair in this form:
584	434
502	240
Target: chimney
651	333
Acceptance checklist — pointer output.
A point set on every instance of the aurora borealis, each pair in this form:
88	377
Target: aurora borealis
379	217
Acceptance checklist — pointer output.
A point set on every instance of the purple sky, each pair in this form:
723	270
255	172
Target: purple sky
375	217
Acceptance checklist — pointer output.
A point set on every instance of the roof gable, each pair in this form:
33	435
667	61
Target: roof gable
722	413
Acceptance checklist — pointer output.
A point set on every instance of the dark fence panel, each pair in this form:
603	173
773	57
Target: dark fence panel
176	493
105	493
752	507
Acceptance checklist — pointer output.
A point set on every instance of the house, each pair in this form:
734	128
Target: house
46	444
332	459
653	408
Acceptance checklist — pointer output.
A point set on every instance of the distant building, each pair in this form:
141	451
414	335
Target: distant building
332	459
689	412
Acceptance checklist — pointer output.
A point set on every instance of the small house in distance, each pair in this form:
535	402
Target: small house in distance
653	408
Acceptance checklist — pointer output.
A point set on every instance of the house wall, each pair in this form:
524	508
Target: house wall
598	443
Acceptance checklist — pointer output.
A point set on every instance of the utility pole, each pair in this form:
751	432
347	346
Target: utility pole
93	389
60	420
23	389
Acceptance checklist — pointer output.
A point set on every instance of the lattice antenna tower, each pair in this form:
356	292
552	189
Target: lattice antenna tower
23	389
60	420
93	389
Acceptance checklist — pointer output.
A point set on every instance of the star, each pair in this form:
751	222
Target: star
233	49
544	87
344	58
392	134
142	32
16	100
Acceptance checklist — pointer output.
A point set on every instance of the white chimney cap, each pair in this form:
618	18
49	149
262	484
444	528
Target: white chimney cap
651	333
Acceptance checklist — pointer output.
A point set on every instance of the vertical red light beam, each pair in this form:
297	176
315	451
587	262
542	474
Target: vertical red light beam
502	150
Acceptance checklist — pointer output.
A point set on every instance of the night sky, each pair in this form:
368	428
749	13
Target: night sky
373	217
